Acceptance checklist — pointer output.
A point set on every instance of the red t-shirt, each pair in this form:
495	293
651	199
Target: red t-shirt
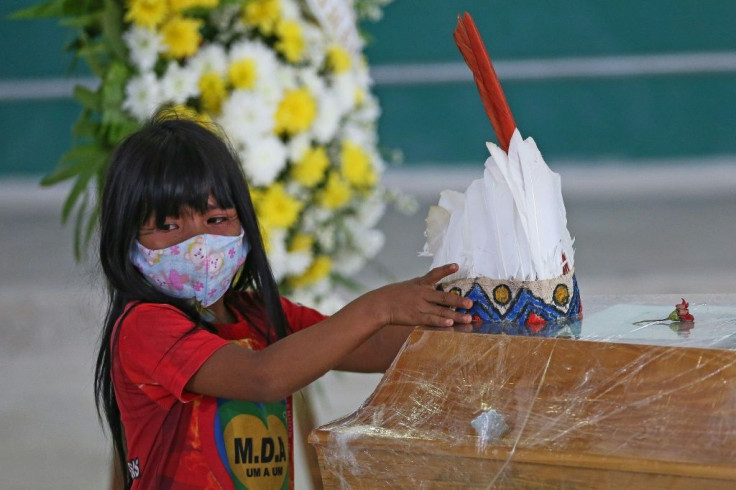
177	439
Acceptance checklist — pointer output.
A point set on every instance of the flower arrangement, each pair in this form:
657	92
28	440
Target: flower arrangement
291	91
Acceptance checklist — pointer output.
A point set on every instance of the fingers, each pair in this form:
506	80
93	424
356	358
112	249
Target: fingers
448	299
435	275
444	317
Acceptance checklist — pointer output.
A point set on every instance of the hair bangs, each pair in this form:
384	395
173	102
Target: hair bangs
186	174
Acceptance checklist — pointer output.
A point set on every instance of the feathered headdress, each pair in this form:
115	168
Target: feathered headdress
511	224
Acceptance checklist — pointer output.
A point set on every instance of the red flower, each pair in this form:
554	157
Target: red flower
681	313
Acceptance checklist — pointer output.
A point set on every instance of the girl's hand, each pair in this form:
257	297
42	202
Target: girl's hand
418	302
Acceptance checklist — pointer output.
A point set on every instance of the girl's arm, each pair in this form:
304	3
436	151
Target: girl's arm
378	352
295	361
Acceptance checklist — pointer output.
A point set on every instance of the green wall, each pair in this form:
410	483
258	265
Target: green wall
581	119
589	119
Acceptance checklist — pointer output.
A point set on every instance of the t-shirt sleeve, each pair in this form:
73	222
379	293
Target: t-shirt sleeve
158	346
300	316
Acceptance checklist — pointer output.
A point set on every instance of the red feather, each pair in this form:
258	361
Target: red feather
474	52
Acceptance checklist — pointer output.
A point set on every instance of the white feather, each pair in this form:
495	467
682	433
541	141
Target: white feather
511	224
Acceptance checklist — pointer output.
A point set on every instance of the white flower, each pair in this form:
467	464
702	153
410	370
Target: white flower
309	77
366	240
284	263
344	87
178	83
290	10
321	297
263	58
144	46
347	262
142	96
356	133
371	210
297	262
211	58
277	253
368	112
264	159
325	236
286	77
306	298
330	303
314	218
327	122
361	75
370	242
296	190
297	146
322	288
315	45
247	117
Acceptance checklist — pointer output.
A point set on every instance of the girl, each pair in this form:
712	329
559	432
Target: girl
199	354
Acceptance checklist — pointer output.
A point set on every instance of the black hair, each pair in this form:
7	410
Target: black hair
168	164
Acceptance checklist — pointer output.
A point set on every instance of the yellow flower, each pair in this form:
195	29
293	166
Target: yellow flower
355	165
184	112
276	208
310	169
338	59
301	242
179	5
213	92
296	112
336	193
318	270
146	13
262	14
291	41
243	74
182	36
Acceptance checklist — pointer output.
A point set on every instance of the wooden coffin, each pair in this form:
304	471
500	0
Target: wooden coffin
580	414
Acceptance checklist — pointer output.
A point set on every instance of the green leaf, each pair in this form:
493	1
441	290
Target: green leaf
112	26
79	221
62	173
75	161
85	127
91	222
119	125
95	54
81	7
80	186
53	8
113	90
89	99
82	21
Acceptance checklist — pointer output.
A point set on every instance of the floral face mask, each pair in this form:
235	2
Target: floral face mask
199	268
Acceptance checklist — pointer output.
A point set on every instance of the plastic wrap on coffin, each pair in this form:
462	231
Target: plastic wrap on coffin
569	413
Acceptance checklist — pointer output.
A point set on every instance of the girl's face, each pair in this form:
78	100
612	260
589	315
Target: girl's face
215	221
